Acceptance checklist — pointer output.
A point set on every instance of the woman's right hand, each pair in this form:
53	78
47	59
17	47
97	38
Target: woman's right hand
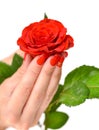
26	94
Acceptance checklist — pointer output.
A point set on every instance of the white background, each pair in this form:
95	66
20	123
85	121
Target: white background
81	17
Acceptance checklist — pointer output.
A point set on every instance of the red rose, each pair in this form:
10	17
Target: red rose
47	36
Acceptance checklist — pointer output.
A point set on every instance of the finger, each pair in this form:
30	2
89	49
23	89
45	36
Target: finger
20	72
52	88
39	90
23	90
54	82
8	86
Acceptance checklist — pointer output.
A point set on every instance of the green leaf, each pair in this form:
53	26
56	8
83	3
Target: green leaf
17	62
85	74
7	70
45	16
92	83
55	120
80	84
74	95
88	75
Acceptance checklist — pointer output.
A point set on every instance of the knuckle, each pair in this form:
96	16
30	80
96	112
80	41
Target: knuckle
56	74
49	71
35	71
48	97
21	70
39	97
25	88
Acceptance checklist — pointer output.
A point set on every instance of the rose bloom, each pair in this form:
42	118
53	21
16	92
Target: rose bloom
47	36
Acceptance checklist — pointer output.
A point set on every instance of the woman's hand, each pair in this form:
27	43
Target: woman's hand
26	94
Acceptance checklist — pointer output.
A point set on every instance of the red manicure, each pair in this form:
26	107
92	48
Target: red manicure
54	60
65	54
60	62
42	59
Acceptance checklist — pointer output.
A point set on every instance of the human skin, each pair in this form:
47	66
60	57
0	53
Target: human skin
26	94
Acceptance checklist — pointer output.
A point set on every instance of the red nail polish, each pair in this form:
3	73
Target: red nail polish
61	61
65	54
42	59
54	60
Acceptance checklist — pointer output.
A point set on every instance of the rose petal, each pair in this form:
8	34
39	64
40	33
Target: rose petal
47	36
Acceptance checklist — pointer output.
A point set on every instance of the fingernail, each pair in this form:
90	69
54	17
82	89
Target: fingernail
65	54
42	59
59	64
54	60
